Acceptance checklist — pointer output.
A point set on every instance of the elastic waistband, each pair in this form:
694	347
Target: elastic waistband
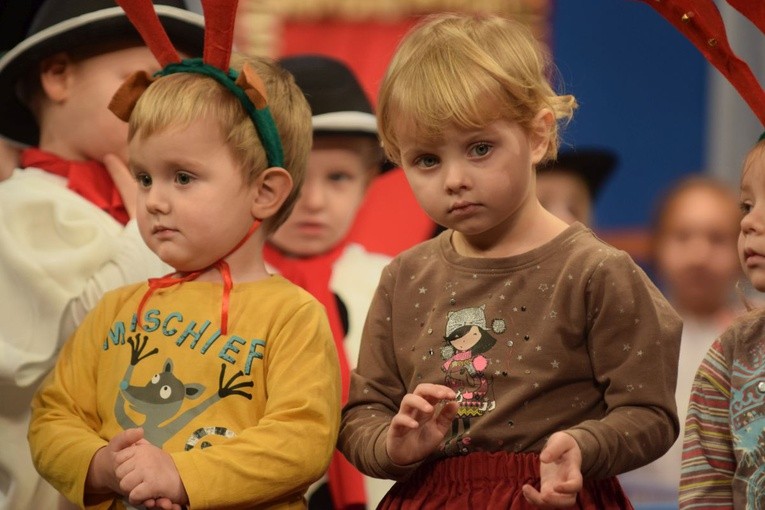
481	467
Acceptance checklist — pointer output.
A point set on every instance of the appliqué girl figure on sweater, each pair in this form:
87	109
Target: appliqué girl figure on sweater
468	340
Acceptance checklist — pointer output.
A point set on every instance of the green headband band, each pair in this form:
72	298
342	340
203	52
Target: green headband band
262	118
762	137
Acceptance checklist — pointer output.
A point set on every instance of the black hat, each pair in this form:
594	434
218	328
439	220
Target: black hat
593	165
338	103
15	17
60	25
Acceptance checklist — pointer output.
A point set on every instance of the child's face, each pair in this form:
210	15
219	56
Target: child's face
696	250
565	195
468	340
91	130
751	240
193	206
334	187
473	181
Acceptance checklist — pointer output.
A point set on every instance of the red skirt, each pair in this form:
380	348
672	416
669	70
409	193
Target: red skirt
490	481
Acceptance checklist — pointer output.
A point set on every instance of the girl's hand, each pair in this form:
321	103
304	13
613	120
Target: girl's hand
420	425
125	182
560	472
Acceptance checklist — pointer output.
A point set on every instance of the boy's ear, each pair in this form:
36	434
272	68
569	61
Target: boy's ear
55	74
539	138
270	190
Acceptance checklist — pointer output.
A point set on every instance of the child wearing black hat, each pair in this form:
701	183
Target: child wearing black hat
64	229
312	247
568	186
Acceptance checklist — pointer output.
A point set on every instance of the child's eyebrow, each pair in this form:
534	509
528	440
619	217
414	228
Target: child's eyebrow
134	167
745	188
408	153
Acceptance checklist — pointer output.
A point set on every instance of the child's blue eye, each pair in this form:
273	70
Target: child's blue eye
144	180
183	178
426	161
339	176
481	149
745	207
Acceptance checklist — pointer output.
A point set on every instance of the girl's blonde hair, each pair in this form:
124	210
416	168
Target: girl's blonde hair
756	153
179	99
467	71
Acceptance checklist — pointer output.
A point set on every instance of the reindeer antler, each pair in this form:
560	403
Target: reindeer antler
143	17
701	23
220	16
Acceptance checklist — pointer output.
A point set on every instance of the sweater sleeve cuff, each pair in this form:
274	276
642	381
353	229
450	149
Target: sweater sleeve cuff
85	451
589	447
394	471
188	472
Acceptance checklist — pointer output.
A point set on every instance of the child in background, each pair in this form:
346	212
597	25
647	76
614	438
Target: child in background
216	386
694	250
569	185
514	360
723	456
312	249
695	229
65	231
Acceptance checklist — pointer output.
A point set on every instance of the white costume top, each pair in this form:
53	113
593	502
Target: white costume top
58	255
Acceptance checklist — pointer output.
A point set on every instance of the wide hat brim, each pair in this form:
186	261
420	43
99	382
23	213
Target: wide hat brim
339	105
17	124
593	165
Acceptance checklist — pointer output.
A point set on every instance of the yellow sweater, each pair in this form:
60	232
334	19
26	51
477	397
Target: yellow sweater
250	418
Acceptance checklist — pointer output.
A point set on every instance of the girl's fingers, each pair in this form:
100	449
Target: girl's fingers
433	393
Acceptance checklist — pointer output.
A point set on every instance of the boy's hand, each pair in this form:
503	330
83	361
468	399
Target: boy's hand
125	182
420	426
102	477
149	477
560	473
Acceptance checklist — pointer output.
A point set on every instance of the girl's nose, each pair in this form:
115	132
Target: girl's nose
455	178
752	221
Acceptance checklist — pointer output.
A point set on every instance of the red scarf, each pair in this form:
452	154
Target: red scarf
89	179
313	274
221	265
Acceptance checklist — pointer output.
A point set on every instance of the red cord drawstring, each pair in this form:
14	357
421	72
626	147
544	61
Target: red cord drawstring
221	265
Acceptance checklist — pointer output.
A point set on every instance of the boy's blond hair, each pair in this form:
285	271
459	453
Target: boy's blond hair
467	71
179	99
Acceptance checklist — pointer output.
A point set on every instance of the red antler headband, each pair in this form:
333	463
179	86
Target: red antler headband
219	33
701	23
